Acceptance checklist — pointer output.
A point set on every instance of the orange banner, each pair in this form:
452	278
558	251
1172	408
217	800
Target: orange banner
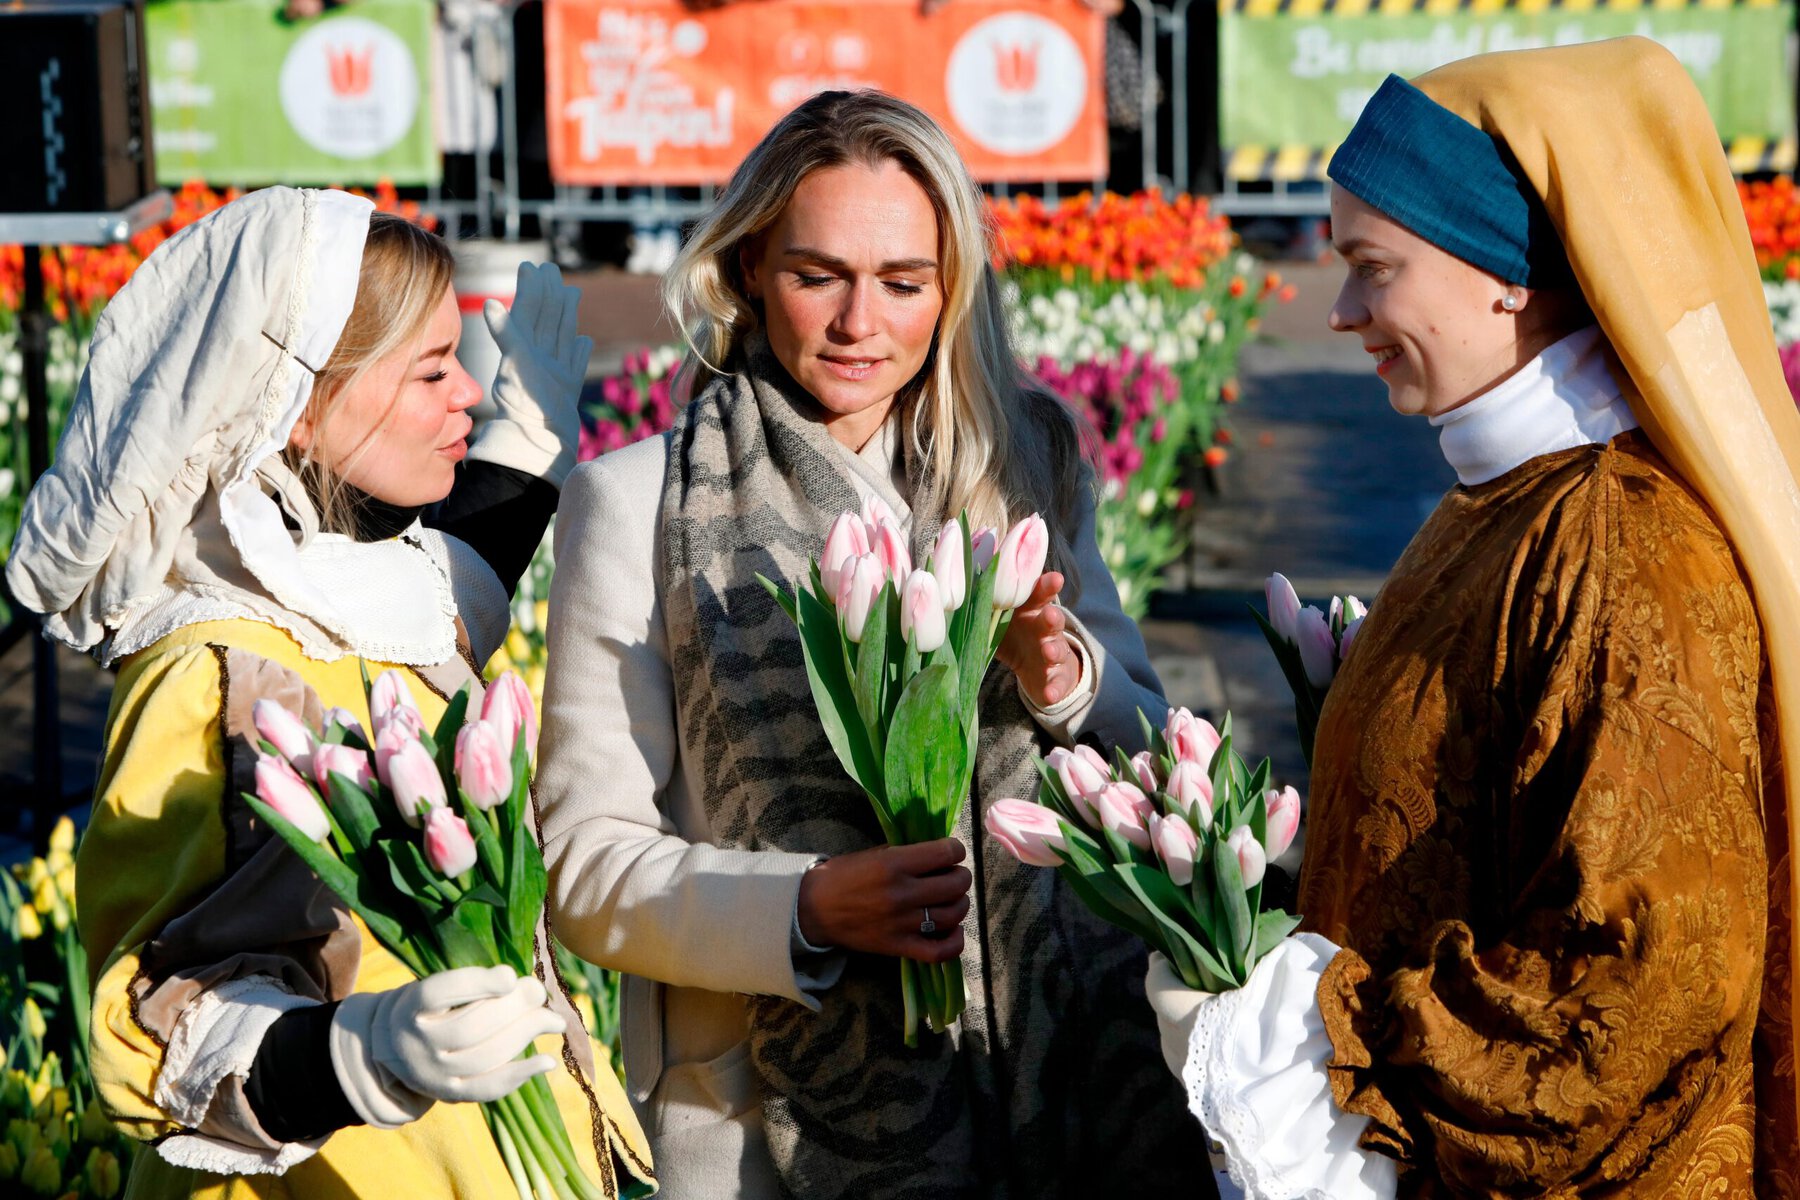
645	91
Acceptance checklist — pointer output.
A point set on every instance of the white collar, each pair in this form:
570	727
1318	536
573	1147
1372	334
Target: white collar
1563	398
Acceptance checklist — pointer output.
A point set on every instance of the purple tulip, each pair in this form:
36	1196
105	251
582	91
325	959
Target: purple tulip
484	764
282	789
449	847
1029	831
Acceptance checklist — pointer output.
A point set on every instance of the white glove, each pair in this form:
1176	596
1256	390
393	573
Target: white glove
456	1035
542	365
1177	1009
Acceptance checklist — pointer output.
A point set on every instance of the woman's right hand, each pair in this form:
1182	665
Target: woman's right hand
876	901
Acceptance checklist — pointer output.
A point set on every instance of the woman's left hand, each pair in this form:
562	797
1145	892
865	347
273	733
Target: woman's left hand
1037	649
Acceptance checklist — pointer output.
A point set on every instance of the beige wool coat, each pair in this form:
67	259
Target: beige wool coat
636	884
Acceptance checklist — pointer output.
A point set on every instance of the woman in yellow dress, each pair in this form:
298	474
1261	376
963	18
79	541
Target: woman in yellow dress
234	515
1548	879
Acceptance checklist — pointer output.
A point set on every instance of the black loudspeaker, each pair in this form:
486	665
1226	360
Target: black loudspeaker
73	79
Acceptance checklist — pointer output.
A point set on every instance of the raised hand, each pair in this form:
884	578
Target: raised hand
543	361
1036	648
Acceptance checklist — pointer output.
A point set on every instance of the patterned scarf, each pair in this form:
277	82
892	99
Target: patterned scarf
1052	1078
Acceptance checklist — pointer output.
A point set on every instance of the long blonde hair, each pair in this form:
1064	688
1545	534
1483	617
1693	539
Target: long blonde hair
405	269
989	439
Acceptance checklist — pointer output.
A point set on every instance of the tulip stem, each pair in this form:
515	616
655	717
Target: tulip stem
508	1151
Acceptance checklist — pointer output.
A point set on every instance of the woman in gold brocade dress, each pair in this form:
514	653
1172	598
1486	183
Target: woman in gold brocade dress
1547	888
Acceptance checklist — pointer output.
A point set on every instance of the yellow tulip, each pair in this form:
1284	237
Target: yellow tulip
52	1107
24	1137
517	648
103	1174
65	881
35	1028
15	1091
96	1126
41	884
42	1173
29	926
540	612
62	843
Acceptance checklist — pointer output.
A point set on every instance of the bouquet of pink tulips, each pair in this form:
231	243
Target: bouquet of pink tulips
1310	644
895	656
1170	844
426	836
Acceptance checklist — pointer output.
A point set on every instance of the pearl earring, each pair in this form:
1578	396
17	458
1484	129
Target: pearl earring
1509	302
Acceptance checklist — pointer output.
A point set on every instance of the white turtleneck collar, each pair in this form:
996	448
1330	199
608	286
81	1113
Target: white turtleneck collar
1563	398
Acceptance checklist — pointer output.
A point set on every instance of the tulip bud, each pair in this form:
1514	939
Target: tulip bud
875	510
1347	637
922	612
42	1174
102	1173
1176	845
858	590
1029	831
284	731
279	787
1126	811
1284	820
1082	773
9	1162
346	720
1252	861
1020	561
508	705
1318	649
32	1022
96	1126
388	698
338	759
983	543
1284	605
62	840
449	847
889	545
1144	767
1191	739
1354	609
849	538
1192	790
413	777
484	764
948	566
28	924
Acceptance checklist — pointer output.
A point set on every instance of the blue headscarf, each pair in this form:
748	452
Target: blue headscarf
1451	184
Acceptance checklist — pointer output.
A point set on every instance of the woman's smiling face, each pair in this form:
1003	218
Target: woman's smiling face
1437	327
848	280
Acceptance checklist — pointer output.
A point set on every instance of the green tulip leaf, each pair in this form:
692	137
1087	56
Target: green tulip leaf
1271	927
833	696
871	680
926	756
1231	898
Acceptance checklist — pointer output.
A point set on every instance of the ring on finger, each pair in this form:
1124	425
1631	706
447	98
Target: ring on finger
927	925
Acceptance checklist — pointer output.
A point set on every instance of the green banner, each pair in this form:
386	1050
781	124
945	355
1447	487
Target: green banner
240	96
1289	80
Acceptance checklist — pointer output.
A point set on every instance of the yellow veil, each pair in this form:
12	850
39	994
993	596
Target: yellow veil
1618	145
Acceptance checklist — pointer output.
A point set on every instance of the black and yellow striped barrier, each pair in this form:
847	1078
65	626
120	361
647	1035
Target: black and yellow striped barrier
1296	164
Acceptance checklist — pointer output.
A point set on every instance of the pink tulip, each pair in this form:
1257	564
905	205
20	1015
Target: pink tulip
413	777
1347	637
1192	790
1126	811
1082	773
284	731
1176	845
1284	820
1354	609
1190	738
346	720
1284	605
859	588
449	847
875	510
984	542
1144	767
849	538
484	764
1029	831
889	545
389	695
508	705
337	759
1020	561
948	566
922	612
1318	649
280	787
1252	861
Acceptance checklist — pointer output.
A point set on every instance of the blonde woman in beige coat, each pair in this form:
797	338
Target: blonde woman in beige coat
849	351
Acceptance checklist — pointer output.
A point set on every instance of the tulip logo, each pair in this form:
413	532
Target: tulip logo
1017	83
349	87
1016	67
348	69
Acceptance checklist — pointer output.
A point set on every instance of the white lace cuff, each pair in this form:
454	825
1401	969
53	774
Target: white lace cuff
1256	1078
215	1038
